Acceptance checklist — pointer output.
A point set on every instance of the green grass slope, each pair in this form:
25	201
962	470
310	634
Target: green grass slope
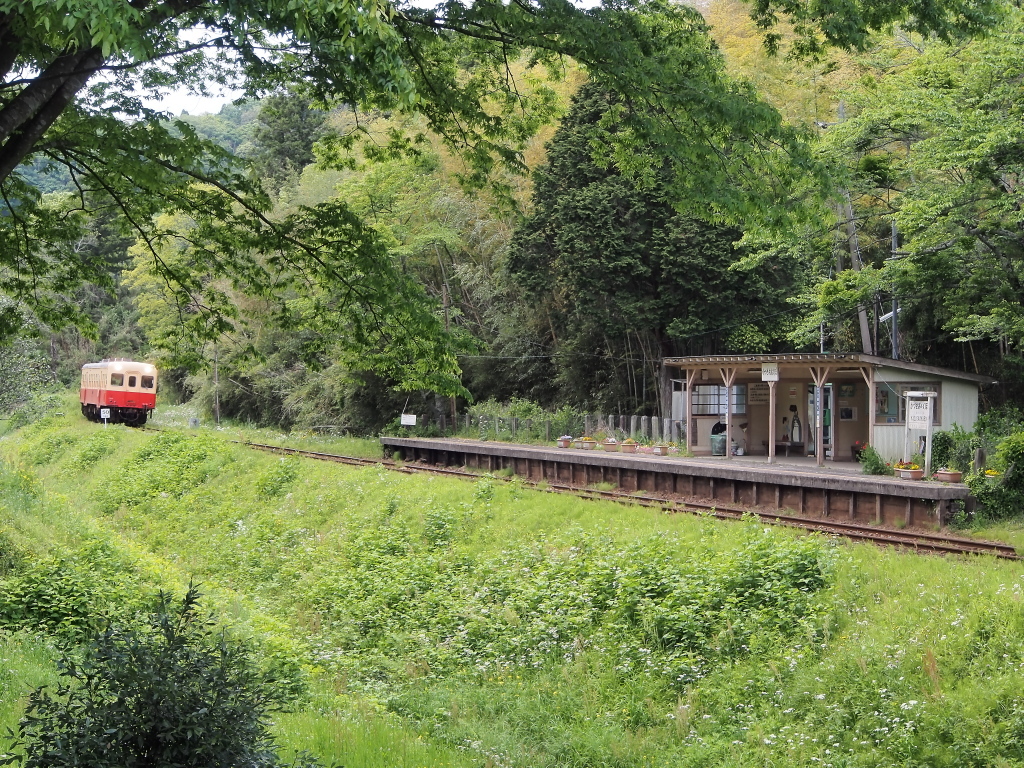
424	621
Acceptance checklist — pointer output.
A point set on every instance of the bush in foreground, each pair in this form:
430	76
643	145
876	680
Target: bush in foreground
173	691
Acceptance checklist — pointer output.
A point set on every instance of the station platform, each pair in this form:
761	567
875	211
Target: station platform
796	484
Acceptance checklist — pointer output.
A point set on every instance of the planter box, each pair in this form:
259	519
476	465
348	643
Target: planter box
564	443
628	447
910	474
947	476
610	446
660	450
589	445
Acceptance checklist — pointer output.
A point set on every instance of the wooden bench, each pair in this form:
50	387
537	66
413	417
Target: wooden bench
785	447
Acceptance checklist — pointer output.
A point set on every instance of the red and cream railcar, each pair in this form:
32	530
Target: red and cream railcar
125	387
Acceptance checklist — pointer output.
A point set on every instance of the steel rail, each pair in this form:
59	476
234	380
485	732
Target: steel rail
920	541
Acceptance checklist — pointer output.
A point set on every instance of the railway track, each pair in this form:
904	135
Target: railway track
917	540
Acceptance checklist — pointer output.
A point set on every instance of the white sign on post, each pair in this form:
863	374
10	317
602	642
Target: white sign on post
919	416
769	371
104	413
919	413
408	419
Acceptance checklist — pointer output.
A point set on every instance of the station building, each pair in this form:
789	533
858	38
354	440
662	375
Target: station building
822	405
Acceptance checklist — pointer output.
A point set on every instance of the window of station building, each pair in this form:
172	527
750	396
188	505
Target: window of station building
891	401
117	379
131	381
709	399
147	382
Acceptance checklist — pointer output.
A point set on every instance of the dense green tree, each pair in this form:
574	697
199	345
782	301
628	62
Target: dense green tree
23	370
936	146
231	128
619	278
286	129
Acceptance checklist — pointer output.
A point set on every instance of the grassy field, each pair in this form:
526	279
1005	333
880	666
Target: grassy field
425	621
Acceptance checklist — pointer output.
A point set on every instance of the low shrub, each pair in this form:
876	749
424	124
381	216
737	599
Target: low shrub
170	464
171	691
275	480
69	598
955	448
1000	490
873	463
93	448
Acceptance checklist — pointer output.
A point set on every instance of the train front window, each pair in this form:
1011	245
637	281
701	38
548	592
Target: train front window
131	381
147	382
117	379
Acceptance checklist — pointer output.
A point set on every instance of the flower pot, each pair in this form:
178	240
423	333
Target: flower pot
947	476
628	447
660	450
564	442
589	445
610	446
910	474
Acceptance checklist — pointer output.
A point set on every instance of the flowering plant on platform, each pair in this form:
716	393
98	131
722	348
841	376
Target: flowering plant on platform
906	465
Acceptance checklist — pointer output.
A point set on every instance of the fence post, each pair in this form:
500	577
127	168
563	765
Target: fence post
634	425
586	424
645	427
547	430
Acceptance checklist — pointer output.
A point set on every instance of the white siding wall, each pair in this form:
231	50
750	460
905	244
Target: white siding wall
959	406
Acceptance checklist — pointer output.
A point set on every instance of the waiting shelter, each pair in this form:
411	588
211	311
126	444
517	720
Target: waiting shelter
821	405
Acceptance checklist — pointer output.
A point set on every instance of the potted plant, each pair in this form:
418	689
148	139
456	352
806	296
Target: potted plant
565	441
908	470
629	445
858	448
588	443
947	475
610	444
660	449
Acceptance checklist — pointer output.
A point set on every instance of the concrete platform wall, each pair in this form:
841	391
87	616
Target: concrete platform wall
864	499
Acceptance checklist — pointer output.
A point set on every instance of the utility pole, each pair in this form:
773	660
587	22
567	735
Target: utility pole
216	386
895	302
844	212
445	301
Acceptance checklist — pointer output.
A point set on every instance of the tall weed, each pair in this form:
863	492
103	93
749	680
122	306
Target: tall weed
169	465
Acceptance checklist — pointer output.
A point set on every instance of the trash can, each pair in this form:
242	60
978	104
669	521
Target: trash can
717	445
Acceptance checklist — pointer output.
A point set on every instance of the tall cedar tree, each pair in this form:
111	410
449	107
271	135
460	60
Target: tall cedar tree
619	278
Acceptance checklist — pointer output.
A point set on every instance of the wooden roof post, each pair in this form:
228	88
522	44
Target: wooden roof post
771	421
728	376
820	376
868	372
665	383
691	377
